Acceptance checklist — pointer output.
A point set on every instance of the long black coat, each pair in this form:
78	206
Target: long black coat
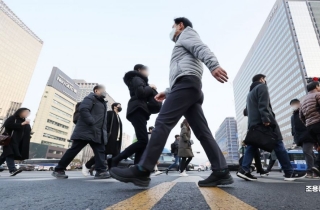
113	147
92	123
259	109
139	92
299	130
20	140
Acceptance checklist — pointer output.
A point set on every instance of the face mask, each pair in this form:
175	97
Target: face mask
173	32
103	94
119	109
295	107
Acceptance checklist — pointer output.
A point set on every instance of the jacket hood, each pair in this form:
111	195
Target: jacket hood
130	74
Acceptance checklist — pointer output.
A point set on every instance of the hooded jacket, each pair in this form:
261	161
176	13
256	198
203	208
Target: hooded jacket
139	92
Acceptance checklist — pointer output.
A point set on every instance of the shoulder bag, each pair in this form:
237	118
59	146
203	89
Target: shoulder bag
5	138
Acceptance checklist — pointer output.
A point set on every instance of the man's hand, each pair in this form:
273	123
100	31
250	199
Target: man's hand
153	87
220	74
160	97
25	122
266	124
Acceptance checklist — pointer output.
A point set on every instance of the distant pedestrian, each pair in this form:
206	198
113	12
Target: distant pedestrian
114	129
91	128
174	151
260	113
18	127
137	112
185	150
310	114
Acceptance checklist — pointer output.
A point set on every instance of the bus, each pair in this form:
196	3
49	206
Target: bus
297	160
42	164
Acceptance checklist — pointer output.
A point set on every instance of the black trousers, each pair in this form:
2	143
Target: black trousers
185	100
138	120
184	163
257	160
77	146
314	131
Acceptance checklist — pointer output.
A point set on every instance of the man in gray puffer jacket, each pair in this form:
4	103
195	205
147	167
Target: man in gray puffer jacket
184	97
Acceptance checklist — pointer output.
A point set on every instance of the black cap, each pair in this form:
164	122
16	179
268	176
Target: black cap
294	101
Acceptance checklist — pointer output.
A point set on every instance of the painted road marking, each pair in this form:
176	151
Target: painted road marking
144	200
219	199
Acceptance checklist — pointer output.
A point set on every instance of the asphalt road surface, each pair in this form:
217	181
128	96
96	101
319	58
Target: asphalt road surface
39	190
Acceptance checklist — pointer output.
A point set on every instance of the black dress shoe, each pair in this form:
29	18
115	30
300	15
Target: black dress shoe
133	175
217	177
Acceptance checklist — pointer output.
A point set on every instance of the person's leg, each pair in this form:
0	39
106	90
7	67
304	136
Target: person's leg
90	162
283	158
182	163
2	159
271	163
10	163
187	163
308	154
248	157
176	160
240	160
71	153
99	156
199	125
257	160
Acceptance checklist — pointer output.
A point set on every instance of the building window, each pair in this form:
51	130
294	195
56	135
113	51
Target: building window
61	105
57	124
55	130
60	111
59	118
63	99
53	137
52	144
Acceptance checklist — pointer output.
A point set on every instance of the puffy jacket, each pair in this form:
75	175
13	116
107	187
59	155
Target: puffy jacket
92	123
310	109
139	92
187	55
185	149
299	130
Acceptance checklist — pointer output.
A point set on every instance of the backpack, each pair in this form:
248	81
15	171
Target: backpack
173	148
153	105
76	113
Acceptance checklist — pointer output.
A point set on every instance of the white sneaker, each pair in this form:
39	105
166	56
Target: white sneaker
183	173
157	173
85	171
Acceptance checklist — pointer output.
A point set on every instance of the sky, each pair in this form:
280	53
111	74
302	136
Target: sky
99	41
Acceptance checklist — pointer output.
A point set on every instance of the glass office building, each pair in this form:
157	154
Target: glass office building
286	50
227	139
19	52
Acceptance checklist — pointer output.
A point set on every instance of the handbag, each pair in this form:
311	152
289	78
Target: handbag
109	134
263	137
5	138
153	105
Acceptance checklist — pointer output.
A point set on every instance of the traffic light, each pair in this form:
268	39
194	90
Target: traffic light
313	79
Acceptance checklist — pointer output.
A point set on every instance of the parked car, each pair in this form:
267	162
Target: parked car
198	167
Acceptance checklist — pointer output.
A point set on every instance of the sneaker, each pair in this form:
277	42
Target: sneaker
133	175
102	175
183	173
17	171
156	173
85	170
167	171
294	176
246	175
217	177
316	171
60	175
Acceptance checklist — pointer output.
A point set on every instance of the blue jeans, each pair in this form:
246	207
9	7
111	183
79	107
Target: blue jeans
280	151
176	162
10	162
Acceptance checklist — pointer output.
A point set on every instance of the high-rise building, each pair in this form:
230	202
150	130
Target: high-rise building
85	88
19	52
227	139
287	51
54	120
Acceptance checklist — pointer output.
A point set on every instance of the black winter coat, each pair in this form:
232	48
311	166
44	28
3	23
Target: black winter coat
113	147
92	123
299	130
259	109
139	92
20	140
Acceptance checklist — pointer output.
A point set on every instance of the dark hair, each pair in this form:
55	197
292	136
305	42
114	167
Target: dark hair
139	66
294	101
183	20
151	128
114	105
257	77
185	122
97	87
176	136
18	112
312	85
